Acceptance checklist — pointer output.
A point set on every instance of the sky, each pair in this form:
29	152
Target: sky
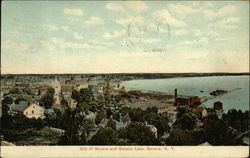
124	36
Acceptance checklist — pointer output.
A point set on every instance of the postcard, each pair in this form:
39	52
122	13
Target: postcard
124	78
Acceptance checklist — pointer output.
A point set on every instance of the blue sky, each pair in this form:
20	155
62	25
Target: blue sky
124	36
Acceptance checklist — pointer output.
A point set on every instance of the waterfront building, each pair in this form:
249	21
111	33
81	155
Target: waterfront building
186	100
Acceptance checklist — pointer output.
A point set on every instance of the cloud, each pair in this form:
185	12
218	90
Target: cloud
47	46
77	36
199	42
55	28
9	46
137	6
115	7
115	34
51	27
223	11
144	40
182	9
181	32
64	45
198	33
228	23
165	17
134	19
212	33
208	4
221	39
73	19
96	41
75	12
65	28
94	21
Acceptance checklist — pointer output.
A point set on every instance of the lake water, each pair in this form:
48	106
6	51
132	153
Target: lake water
238	99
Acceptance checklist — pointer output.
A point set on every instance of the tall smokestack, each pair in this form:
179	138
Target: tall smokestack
175	93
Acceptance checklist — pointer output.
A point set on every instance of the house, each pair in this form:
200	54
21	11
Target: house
171	115
202	111
30	110
152	128
42	90
162	109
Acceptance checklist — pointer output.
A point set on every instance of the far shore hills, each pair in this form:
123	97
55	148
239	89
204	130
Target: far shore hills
129	76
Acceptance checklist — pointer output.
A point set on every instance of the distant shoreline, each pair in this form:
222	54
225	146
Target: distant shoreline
129	76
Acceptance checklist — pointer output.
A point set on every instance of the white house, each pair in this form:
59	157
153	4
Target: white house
30	110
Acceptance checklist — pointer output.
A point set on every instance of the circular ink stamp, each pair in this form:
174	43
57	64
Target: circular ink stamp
147	34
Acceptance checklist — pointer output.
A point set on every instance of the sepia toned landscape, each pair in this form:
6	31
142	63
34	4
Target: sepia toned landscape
125	73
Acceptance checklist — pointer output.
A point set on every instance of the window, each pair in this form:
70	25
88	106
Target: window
32	111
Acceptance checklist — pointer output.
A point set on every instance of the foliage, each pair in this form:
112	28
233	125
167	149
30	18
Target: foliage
152	109
185	137
82	107
72	121
116	116
101	114
48	99
84	95
139	134
159	122
23	97
105	136
111	123
124	110
186	118
28	91
237	119
217	131
19	127
14	91
7	100
136	115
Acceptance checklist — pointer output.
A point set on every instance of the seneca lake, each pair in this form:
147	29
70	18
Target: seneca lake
200	86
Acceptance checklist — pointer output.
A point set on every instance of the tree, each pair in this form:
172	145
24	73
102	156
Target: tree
140	134
152	109
72	122
48	99
7	100
75	95
87	126
186	118
158	121
136	115
105	136
14	91
216	131
82	107
237	119
101	114
111	123
23	97
86	95
184	137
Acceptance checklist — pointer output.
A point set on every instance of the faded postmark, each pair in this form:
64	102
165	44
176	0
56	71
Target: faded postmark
147	36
